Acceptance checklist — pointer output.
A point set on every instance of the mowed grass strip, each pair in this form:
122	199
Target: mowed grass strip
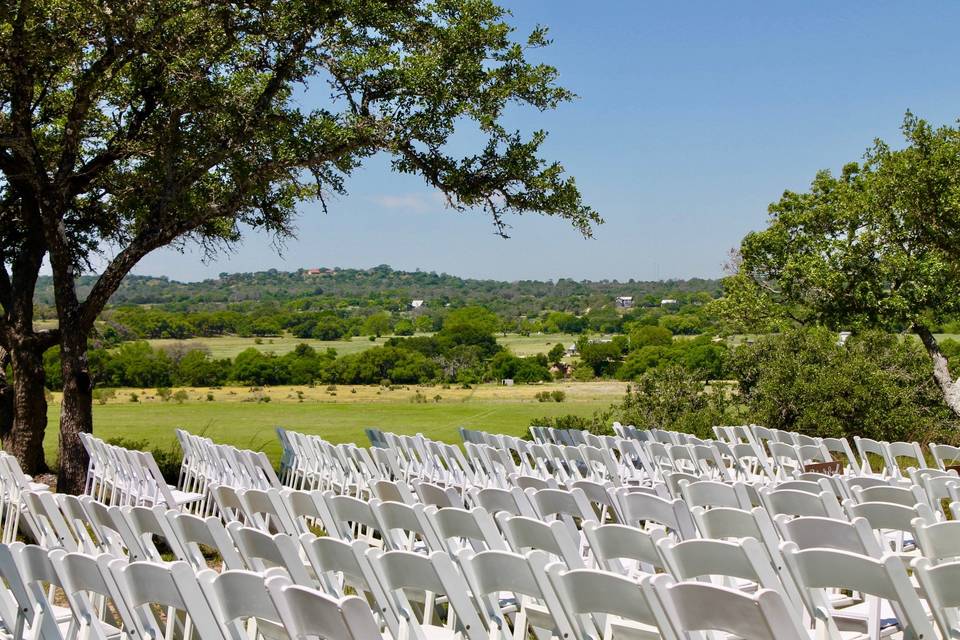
239	416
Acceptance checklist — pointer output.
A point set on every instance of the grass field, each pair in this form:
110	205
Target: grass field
239	416
230	346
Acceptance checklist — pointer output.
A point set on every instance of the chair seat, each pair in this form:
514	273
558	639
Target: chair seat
184	497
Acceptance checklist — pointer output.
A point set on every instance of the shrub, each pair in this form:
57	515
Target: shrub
164	393
670	397
103	395
551	396
875	385
180	396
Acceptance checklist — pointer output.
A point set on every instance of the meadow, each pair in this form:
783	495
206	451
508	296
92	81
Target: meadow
230	346
243	416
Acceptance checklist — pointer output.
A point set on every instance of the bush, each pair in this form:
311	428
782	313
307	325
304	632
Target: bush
670	397
164	393
551	396
104	395
598	423
180	396
875	385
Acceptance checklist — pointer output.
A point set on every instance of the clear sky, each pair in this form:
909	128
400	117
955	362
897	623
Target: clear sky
692	117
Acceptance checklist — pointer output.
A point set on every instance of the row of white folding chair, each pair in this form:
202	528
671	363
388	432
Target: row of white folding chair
887	455
313	463
762	436
880	574
862	565
124	476
520	520
500	570
13	482
206	462
207	605
536	534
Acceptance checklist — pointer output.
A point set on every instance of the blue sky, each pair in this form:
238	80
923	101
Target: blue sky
692	118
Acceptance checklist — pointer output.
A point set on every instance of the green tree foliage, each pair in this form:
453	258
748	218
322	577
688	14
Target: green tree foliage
135	125
530	369
402	366
139	365
376	324
670	397
603	358
647	335
875	386
870	248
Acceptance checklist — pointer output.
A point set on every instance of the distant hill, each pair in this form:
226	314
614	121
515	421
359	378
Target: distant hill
325	287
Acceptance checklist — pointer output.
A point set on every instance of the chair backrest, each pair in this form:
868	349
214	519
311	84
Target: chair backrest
339	564
941	587
26	570
800	503
308	613
945	455
172	585
513	501
867	447
456	528
673	514
744	559
86	579
842	446
524	534
591	597
710	493
611	544
403	525
906	496
491	573
350	513
887	516
696	606
938	541
238	596
193	531
910	451
817	570
261	550
440	497
810	532
401	572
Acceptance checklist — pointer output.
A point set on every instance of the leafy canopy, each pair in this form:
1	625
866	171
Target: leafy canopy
127	126
872	247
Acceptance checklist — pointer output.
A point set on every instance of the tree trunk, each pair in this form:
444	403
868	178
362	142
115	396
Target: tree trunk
941	369
76	411
6	396
25	438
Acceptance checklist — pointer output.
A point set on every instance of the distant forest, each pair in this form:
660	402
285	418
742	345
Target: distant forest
386	289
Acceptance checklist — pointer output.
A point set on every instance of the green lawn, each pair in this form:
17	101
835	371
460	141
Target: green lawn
251	425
